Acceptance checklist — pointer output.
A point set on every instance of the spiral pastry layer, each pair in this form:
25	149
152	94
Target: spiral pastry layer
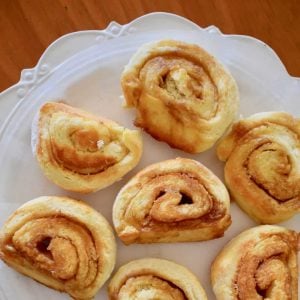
182	94
177	200
81	152
62	243
260	263
262	170
152	278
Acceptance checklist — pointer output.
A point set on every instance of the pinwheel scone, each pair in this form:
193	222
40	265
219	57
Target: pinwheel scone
182	94
152	278
81	152
177	200
262	170
62	243
260	263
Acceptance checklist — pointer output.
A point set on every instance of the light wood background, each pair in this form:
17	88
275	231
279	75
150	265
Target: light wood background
27	27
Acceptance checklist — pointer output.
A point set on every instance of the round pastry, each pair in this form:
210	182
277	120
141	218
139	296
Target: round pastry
262	170
260	263
81	152
177	200
62	243
152	278
182	94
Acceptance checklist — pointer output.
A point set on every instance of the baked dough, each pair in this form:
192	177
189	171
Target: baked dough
262	170
152	278
260	263
81	152
177	200
62	243
182	94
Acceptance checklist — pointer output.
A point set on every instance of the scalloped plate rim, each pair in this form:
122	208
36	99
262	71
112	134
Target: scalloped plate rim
214	30
142	18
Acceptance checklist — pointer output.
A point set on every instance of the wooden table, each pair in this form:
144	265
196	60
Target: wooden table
27	27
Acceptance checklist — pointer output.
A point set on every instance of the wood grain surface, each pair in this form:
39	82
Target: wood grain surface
27	27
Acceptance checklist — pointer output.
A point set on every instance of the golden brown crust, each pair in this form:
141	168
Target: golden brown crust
60	242
177	200
152	278
260	263
262	170
182	94
81	152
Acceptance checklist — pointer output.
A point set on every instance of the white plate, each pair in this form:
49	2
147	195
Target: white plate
84	68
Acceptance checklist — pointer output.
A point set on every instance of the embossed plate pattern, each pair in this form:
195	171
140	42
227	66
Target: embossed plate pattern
83	68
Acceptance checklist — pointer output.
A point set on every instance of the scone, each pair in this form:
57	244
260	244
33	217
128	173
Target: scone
182	94
177	200
260	263
62	243
262	171
152	278
81	152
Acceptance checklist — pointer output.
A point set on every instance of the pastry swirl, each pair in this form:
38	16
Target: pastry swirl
260	263
177	200
182	94
262	170
62	243
152	278
81	152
